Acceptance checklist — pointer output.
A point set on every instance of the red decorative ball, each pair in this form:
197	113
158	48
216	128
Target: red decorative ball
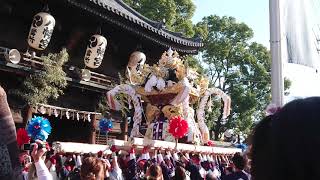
178	127
210	143
22	137
113	148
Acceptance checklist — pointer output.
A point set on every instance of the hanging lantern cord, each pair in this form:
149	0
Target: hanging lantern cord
99	30
46	8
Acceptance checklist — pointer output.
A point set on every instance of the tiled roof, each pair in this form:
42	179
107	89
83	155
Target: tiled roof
119	8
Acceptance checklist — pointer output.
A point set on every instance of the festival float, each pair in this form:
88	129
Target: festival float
164	96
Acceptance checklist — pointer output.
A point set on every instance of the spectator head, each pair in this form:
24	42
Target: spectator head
180	173
210	176
154	172
284	144
100	153
239	161
92	168
228	170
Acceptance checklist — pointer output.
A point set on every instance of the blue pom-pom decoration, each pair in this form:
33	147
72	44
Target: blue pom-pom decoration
242	146
39	128
105	125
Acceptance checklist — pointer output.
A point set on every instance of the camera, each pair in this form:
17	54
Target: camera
29	147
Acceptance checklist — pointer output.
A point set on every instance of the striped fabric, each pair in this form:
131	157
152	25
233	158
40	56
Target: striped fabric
9	161
7	127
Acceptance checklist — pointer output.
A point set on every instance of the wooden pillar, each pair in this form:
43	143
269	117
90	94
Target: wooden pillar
92	138
28	115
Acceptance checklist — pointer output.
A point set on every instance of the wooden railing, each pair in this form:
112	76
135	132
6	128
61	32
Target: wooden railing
113	134
36	64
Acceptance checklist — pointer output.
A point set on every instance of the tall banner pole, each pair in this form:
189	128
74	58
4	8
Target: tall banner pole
277	80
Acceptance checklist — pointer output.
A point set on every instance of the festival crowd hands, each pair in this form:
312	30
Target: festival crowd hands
158	163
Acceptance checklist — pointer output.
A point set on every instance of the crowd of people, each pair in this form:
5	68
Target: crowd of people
284	145
156	165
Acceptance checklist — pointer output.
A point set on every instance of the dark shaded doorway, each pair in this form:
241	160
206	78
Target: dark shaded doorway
68	130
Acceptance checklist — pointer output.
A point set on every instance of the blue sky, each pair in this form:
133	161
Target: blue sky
255	13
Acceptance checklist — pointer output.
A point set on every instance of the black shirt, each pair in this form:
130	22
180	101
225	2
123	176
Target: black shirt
240	175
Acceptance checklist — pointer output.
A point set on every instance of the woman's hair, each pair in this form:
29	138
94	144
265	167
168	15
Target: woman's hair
92	168
284	145
180	173
239	161
155	172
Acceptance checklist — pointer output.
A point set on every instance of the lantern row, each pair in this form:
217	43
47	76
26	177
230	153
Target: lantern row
40	34
41	31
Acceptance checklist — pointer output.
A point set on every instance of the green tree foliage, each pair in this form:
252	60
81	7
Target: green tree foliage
195	63
176	13
49	83
238	67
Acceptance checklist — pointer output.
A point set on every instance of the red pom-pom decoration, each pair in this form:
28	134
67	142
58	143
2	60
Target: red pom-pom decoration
210	143
178	127
22	137
113	148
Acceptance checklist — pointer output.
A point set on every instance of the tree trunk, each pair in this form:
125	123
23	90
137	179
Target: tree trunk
218	126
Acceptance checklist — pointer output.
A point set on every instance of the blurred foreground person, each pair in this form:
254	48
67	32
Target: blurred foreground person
92	168
284	141
9	155
154	172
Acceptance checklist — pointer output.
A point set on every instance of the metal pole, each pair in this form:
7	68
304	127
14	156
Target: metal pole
277	80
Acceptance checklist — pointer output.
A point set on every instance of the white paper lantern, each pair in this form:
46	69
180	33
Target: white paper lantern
95	51
89	118
67	115
41	30
136	61
56	113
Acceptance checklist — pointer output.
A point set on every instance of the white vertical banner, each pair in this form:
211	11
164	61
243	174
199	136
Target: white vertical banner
299	28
